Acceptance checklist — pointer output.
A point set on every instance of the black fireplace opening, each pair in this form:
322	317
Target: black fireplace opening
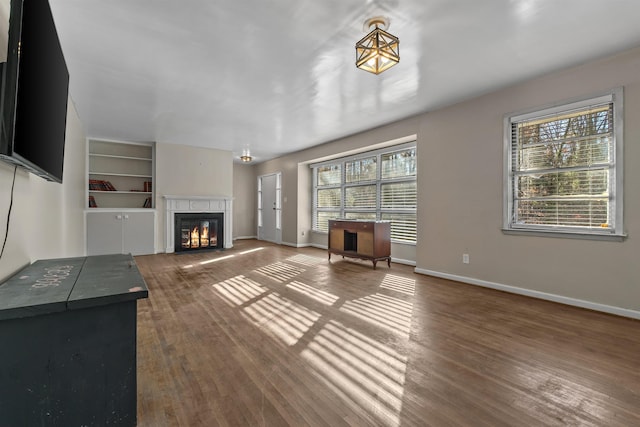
199	231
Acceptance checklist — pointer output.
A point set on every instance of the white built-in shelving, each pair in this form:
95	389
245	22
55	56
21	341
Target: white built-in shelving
128	168
124	218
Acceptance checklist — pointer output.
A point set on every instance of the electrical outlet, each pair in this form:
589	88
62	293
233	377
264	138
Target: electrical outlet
303	232
465	258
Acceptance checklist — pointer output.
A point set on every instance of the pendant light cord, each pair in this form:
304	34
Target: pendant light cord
6	233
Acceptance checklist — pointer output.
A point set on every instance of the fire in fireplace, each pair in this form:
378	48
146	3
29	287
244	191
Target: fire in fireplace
199	231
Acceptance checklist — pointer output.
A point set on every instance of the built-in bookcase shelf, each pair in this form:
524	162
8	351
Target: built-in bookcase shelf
110	156
120	174
119	192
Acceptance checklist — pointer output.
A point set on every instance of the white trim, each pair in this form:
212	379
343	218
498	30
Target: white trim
125	210
615	96
297	245
562	107
370	152
403	261
397	141
618	135
187	204
396	260
245	237
563	234
619	311
342	211
278	199
119	141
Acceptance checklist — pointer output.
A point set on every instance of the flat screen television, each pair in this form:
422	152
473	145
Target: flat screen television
34	92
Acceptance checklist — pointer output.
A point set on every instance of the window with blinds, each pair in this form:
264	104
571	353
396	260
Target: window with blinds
564	169
327	195
378	185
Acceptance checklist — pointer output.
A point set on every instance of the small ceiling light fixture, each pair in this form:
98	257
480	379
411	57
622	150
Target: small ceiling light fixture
377	51
246	156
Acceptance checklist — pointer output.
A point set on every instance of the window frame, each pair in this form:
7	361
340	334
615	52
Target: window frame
343	211
616	190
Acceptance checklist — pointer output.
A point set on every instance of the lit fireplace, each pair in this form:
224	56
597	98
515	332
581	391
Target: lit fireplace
198	231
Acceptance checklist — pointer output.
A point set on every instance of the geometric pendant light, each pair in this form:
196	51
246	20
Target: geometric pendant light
377	51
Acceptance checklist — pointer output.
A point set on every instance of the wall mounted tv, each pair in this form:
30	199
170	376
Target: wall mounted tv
34	92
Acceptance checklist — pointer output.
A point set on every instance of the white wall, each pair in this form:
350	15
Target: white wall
189	171
47	219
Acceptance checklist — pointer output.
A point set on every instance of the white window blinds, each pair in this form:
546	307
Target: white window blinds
563	169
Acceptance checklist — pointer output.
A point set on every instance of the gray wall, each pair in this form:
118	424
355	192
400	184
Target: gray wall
296	181
460	194
460	188
245	190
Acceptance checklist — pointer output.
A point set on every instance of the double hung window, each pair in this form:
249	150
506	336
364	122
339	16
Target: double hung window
564	168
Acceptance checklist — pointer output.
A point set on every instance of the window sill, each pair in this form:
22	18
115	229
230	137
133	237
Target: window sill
565	234
395	242
399	242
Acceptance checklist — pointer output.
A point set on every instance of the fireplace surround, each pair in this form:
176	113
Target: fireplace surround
197	205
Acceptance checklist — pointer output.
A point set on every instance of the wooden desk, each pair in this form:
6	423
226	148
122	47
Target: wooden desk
68	342
362	239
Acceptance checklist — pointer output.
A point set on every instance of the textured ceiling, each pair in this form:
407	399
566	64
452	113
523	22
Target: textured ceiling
277	76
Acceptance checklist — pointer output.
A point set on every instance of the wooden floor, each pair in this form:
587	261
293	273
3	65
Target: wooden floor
266	335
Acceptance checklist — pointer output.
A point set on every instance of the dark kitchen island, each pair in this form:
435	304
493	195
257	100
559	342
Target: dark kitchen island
68	342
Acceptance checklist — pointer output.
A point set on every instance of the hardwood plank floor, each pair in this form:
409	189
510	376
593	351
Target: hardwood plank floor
267	335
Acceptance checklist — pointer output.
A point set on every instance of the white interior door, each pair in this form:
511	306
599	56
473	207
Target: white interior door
269	208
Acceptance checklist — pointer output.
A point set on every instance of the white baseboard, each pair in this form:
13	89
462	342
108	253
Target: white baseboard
403	261
535	294
396	260
244	237
297	245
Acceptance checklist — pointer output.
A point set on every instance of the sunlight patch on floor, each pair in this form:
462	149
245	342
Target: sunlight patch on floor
280	271
364	372
322	297
399	284
238	290
251	250
389	313
285	319
209	261
307	260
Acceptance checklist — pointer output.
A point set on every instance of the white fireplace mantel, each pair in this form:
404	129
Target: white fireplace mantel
195	204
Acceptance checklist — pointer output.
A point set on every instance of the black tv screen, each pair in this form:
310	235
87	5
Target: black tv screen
35	86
